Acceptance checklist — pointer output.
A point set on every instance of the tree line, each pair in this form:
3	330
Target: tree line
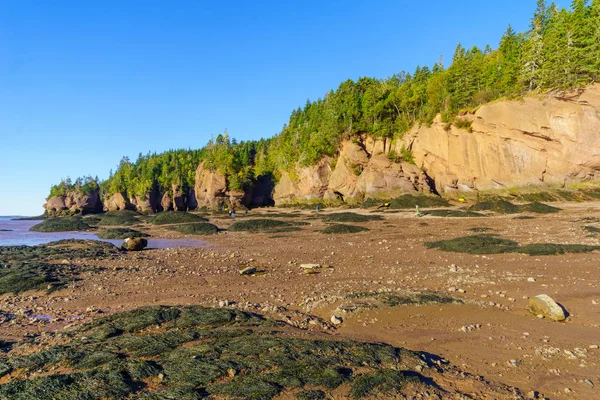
561	50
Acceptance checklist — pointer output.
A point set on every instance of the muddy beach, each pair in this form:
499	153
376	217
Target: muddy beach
380	285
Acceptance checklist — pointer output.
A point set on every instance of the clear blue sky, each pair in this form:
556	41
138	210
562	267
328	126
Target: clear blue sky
83	83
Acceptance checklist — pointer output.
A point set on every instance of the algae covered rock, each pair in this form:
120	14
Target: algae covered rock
134	244
544	305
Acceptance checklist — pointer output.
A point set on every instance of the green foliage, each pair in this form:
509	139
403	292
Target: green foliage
342	229
65	224
463	123
202	228
85	185
176	217
506	207
120	233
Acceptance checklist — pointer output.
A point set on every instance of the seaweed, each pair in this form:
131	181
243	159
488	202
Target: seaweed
350	217
258	225
491	244
65	224
342	228
193	352
201	228
475	244
176	217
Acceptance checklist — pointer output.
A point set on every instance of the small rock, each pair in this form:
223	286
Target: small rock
588	382
568	390
544	305
310	266
530	279
336	320
248	271
594	346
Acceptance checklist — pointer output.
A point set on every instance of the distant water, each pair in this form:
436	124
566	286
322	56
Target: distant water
16	233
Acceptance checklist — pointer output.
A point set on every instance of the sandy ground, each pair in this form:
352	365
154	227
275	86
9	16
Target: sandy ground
492	334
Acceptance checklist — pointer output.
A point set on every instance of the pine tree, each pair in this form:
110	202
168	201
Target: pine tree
533	52
582	42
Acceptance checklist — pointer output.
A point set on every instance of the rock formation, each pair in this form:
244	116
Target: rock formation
75	202
357	174
549	140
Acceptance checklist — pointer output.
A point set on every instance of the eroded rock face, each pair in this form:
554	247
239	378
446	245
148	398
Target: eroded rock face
541	141
75	202
362	170
309	183
116	202
210	188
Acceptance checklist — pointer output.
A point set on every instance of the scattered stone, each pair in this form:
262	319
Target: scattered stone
336	320
310	266
544	305
530	279
589	383
248	271
594	346
134	244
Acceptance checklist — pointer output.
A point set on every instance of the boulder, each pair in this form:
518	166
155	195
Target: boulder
75	202
55	204
134	244
544	305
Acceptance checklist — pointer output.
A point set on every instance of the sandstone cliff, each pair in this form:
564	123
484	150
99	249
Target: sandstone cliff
75	202
549	140
361	170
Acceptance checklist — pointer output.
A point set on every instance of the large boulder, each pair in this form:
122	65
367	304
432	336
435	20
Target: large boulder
55	204
544	305
351	162
134	244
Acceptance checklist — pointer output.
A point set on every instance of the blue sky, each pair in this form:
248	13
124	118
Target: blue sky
83	83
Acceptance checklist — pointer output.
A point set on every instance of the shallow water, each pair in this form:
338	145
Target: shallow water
16	233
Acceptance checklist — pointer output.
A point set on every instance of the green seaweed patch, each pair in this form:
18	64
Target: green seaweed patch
176	217
259	225
547	249
491	244
475	244
119	218
480	229
66	224
350	217
120	233
19	277
538	208
343	228
407	201
591	229
499	206
201	228
453	213
394	300
60	250
196	352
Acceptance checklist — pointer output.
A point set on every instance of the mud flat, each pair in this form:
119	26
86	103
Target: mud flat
458	321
